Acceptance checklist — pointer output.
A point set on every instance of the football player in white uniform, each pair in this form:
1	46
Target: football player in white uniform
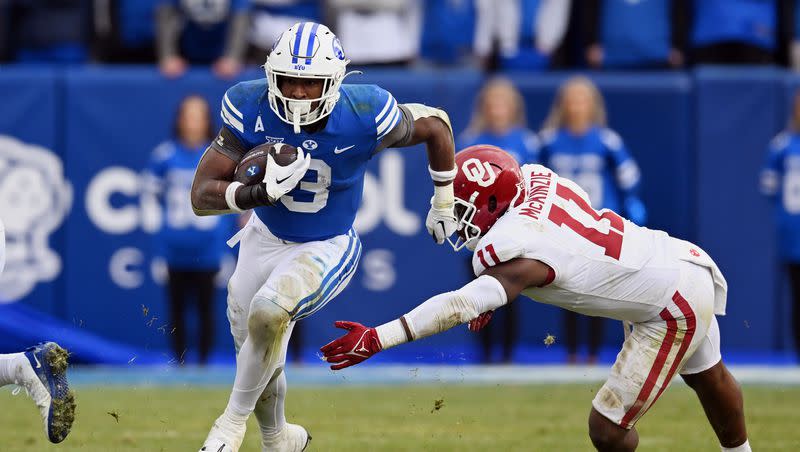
536	233
42	371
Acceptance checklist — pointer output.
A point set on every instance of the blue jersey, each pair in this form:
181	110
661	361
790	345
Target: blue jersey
185	240
328	197
780	179
600	164
520	142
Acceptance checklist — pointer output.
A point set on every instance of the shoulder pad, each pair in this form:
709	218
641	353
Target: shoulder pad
611	139
238	99
501	244
376	107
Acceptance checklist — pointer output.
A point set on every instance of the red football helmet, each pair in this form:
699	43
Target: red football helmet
488	182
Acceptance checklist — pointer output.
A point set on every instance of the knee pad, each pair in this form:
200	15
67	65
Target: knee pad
267	316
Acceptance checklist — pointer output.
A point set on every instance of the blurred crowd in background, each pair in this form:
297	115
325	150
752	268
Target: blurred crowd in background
528	35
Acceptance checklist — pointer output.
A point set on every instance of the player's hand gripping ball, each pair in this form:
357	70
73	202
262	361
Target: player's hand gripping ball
278	166
253	166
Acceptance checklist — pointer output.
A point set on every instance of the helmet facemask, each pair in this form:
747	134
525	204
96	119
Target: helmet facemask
467	233
302	112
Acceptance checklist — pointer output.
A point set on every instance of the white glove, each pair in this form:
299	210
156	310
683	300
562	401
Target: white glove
280	180
441	221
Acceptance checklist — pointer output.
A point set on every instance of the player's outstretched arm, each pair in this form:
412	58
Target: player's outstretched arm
489	291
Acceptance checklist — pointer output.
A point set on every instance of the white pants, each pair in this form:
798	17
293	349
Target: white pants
683	338
301	278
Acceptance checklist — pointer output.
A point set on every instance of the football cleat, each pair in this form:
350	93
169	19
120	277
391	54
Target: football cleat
46	382
225	436
293	438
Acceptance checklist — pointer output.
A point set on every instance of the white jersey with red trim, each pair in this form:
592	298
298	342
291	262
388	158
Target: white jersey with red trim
603	264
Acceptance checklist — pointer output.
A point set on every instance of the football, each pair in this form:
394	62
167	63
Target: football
250	169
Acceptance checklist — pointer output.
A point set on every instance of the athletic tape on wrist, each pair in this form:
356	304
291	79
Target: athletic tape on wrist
443	176
230	196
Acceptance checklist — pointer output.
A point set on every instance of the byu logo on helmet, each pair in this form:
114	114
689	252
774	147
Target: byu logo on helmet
32	186
337	49
482	175
253	170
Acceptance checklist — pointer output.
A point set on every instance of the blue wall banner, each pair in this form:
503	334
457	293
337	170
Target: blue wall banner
74	143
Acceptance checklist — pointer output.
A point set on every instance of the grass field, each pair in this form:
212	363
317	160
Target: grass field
396	418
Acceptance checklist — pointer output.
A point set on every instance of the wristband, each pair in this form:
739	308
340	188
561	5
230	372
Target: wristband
443	176
443	196
230	197
251	196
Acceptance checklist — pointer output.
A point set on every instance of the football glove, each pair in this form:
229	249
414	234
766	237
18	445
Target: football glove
441	222
357	345
479	322
280	180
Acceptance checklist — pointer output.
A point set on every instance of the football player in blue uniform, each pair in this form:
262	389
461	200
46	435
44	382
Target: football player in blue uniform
300	249
42	371
577	145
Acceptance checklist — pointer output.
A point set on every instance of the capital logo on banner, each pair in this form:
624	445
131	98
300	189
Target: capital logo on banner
34	199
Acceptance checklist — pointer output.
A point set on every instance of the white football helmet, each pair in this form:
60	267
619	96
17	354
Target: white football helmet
306	50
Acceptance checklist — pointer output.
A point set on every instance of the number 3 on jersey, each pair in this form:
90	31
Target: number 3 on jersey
319	174
611	242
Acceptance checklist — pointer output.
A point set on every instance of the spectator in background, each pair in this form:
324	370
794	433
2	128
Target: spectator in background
202	31
780	180
740	31
577	145
273	17
448	32
192	246
385	32
124	30
519	34
45	31
635	35
499	120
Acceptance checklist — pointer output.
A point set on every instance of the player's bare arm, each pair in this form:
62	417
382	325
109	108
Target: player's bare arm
424	124
211	179
492	289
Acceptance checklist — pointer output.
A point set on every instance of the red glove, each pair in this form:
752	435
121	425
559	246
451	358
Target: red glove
357	345
481	321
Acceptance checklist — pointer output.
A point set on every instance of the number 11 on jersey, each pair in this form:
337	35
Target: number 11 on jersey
611	242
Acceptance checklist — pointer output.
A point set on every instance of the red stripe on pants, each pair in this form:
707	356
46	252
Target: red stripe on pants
655	371
691	326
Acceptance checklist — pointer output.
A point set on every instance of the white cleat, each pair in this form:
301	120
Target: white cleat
293	438
225	436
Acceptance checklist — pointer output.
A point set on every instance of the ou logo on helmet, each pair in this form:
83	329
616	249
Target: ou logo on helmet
479	172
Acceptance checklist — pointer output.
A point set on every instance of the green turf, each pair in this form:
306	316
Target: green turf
400	418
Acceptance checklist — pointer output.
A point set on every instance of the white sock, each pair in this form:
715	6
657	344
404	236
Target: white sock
9	364
742	448
255	365
269	409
